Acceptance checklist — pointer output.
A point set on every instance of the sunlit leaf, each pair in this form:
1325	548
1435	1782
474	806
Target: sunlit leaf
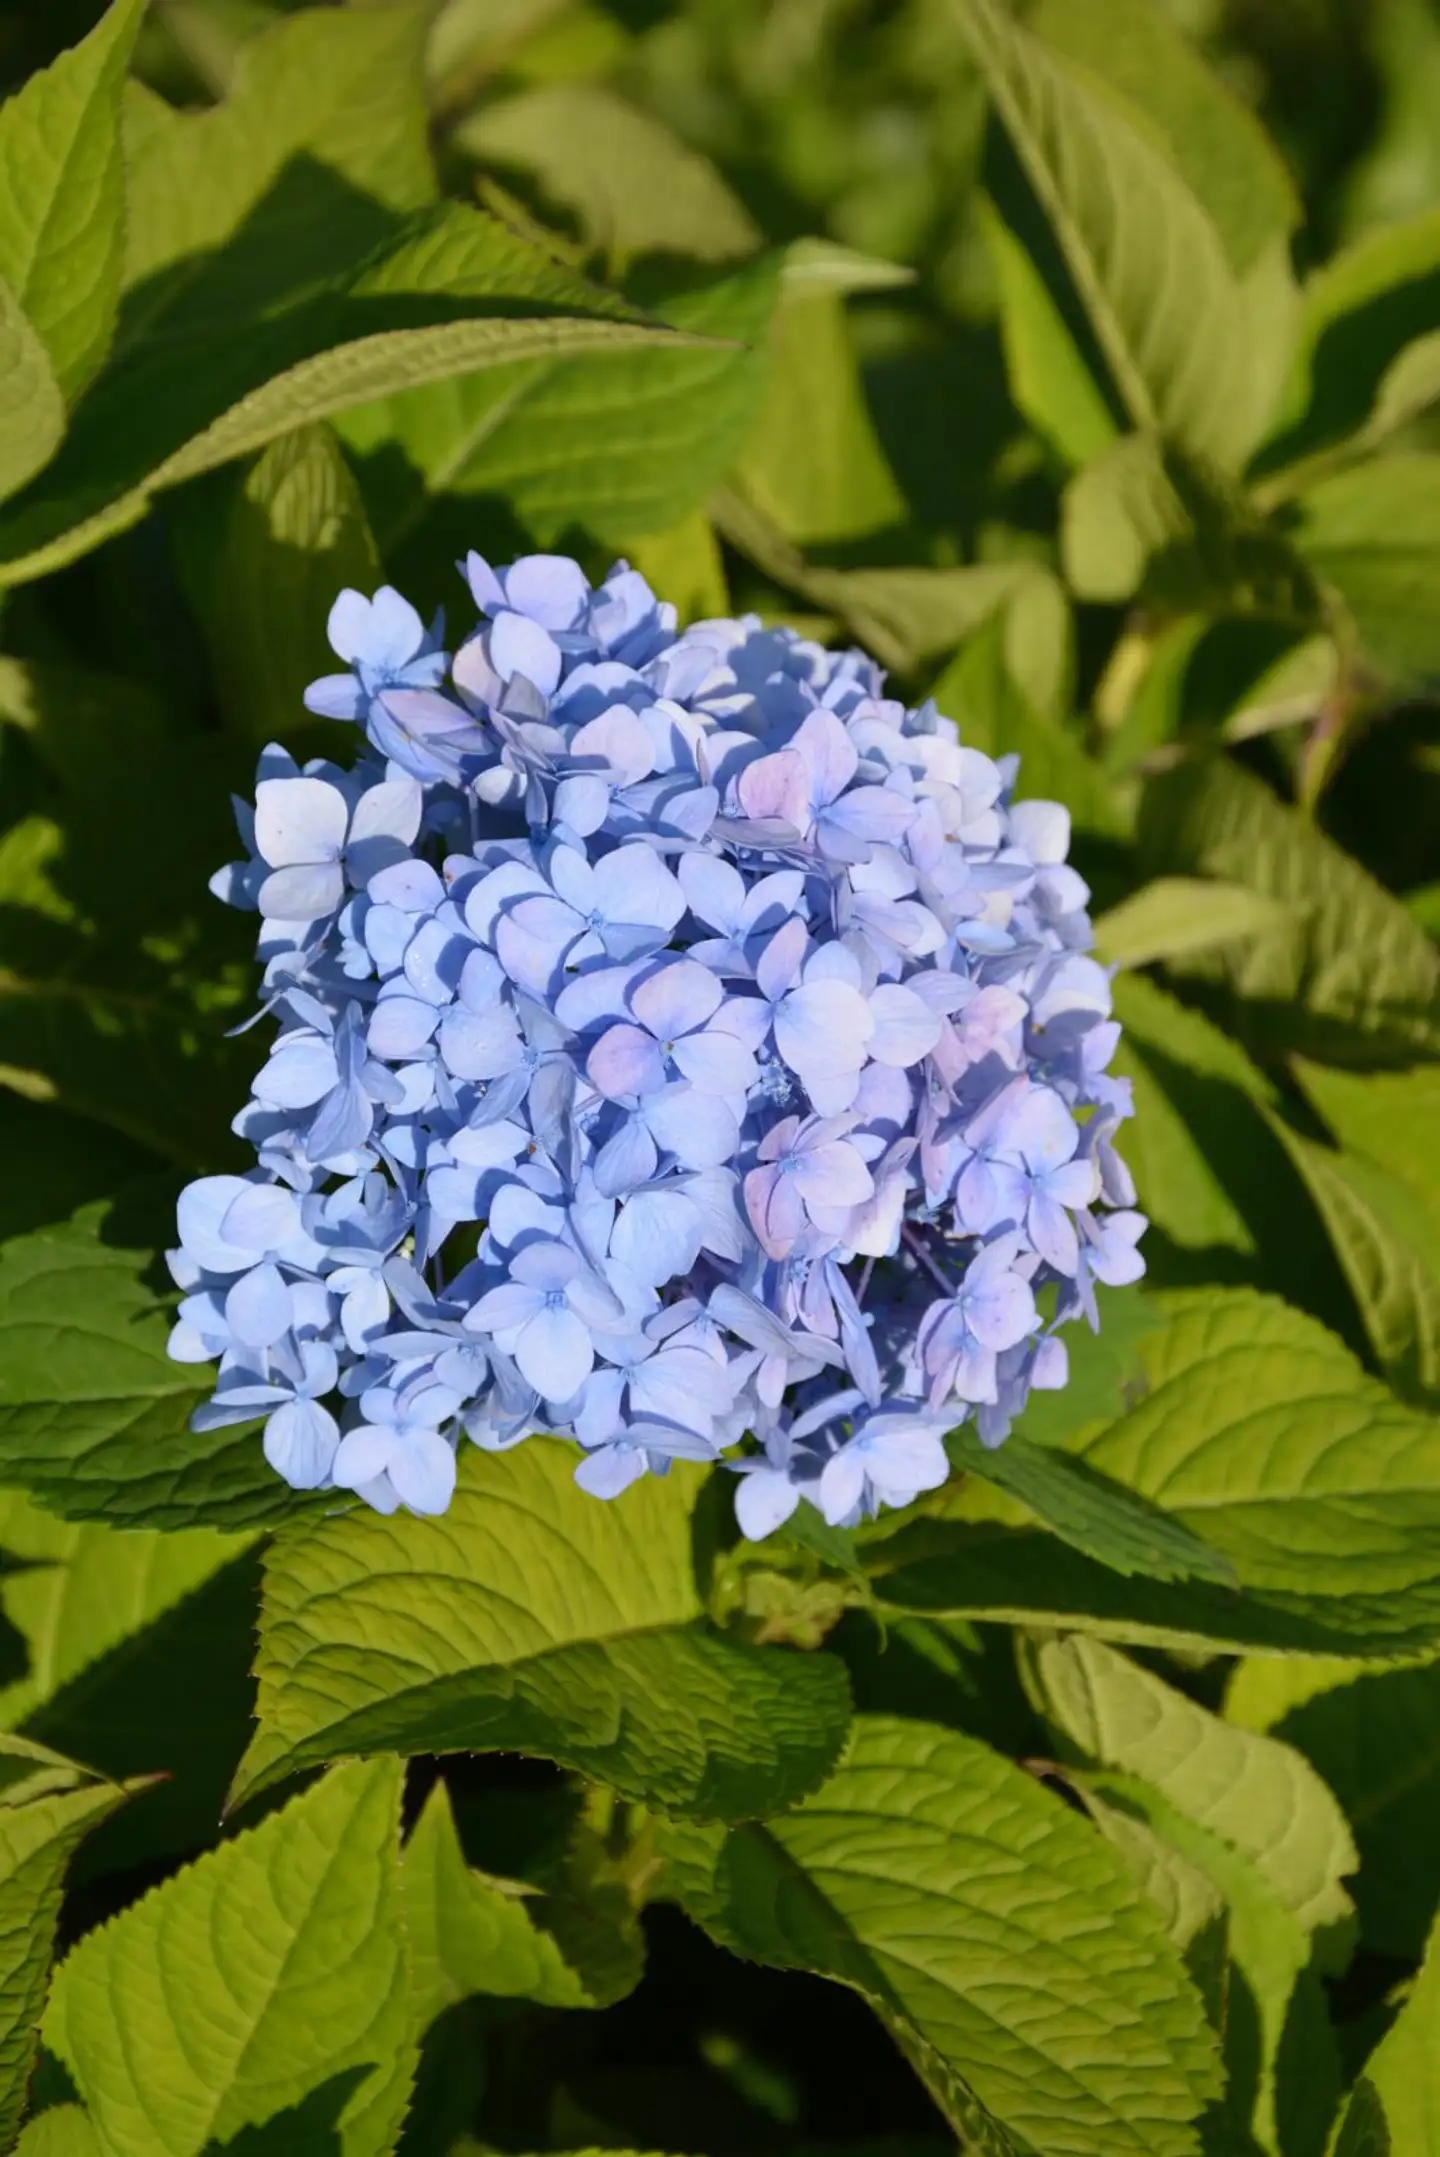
530	1618
471	1934
1179	914
1065	2015
1395	2106
1373	533
1347	974
1251	1791
62	197
32	414
269	1968
454	294
633	186
47	1805
1258	1428
1191	357
1282	2070
1373	1732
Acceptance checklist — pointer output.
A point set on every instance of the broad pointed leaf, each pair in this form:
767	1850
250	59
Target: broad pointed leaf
1253	1792
624	442
47	1805
1373	535
1065	2014
1373	1732
1395	2105
270	1967
812	462
532	1619
93	1413
455	294
82	1590
32	408
1349	975
1386	1239
317	150
1211	138
634	187
1185	353
1179	914
1214	1180
471	1934
1255	1426
62	195
1102	1518
1282	2069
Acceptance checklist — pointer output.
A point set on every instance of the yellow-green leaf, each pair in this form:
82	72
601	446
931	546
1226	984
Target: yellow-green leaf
532	1619
271	1967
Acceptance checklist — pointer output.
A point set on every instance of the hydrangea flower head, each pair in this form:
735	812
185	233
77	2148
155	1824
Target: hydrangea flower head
682	1048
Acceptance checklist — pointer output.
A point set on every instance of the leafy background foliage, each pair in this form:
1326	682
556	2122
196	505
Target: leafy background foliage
1083	360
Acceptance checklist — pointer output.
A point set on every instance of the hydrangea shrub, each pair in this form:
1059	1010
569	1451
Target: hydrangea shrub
681	1046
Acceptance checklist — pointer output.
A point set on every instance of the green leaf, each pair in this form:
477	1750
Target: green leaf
303	169
1222	1197
1253	1425
1185	1896
242	1984
905	616
82	1590
1263	1432
282	543
685	564
955	1570
1394	2109
813	264
139	1647
1350	976
1100	1517
1361	309
47	1805
63	2131
469	1933
1373	1732
1175	915
920	614
92	1410
584	1861
1373	535
1409	387
1166	89
1385	1115
622	441
1077	2031
32	409
1191	357
1282	2073
532	1619
632	185
1386	1239
812	462
62	186
457	295
1142	517
1256	1794
1048	370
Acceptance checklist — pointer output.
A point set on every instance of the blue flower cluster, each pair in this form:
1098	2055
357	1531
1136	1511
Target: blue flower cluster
682	1047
